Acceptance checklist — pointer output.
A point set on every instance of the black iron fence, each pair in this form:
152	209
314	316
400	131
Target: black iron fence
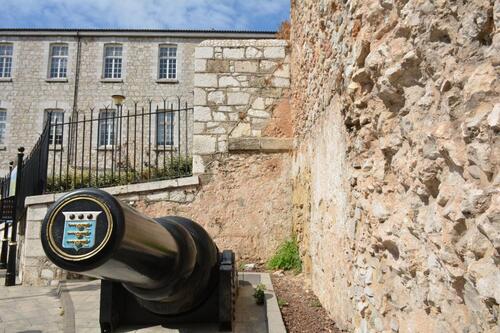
113	146
26	177
97	148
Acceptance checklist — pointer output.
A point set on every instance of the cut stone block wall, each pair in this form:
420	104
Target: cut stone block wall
396	185
238	86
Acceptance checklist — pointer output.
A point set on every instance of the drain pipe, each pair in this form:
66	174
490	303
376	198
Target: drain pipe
75	92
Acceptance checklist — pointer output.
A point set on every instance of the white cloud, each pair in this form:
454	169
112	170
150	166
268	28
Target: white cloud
181	14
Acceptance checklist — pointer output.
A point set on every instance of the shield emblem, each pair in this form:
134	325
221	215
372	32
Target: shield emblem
79	230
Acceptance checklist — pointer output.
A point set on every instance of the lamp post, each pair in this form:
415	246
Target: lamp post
118	101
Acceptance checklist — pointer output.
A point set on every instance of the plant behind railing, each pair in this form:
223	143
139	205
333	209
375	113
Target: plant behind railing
108	147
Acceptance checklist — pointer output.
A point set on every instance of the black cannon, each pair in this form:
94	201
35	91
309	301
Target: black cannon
165	271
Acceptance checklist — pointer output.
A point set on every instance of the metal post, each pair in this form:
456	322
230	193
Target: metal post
5	239
10	277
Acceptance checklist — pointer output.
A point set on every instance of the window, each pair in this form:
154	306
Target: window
167	68
106	127
112	62
165	129
3	126
5	60
58	61
56	127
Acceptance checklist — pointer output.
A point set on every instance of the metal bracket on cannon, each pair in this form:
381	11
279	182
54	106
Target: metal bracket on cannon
120	308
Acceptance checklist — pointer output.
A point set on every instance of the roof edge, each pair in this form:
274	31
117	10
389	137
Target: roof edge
137	33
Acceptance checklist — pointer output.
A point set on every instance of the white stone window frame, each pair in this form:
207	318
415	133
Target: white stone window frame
105	122
3	59
56	134
122	62
3	128
161	57
60	57
174	123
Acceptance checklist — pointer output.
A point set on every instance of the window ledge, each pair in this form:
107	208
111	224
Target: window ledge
112	80
166	148
106	147
3	148
167	81
57	147
5	79
51	80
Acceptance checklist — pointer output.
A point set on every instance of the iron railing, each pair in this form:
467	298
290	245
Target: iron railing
113	146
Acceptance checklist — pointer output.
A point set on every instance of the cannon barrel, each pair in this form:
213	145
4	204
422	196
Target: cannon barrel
170	265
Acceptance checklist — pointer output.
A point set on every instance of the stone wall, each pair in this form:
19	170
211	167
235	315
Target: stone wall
240	88
35	267
396	110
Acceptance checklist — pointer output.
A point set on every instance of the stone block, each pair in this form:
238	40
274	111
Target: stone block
178	196
202	113
233	53
259	104
36	212
268	66
246	66
33	229
216	97
198	128
237	98
219	116
204	52
242	129
200	65
47	274
218	66
205	80
188	181
228	81
274	52
282	71
204	144
242	144
258	113
281	82
33	248
253	53
200	97
276	144
161	196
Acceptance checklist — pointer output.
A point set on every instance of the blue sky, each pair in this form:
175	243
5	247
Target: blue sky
153	14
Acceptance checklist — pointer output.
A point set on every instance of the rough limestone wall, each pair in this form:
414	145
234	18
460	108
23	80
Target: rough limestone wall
397	112
241	143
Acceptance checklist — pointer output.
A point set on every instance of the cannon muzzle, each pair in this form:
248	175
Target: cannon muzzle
168	267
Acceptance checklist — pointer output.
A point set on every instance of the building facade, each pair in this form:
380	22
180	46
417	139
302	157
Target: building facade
60	73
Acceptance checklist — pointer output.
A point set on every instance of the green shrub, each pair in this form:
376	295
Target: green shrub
174	168
259	294
287	257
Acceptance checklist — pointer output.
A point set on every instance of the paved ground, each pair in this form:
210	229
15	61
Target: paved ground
35	309
29	309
